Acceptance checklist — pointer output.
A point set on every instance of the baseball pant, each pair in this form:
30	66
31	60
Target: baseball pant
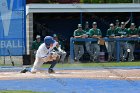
95	48
79	51
123	50
62	54
88	48
131	55
53	57
111	49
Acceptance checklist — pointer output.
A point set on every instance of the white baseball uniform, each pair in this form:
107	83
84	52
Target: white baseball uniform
44	55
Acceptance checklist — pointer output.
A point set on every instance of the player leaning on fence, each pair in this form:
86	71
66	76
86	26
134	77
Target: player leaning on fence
132	32
88	44
79	45
110	45
95	47
122	32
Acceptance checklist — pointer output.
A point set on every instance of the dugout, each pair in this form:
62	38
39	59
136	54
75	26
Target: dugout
62	19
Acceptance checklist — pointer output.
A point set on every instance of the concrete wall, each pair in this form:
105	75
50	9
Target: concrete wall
27	59
29	32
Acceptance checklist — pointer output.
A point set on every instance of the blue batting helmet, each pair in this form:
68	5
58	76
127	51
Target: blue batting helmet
48	40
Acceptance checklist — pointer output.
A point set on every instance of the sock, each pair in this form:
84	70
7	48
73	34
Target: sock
53	63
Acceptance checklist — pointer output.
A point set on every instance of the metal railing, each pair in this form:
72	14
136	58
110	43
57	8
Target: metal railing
72	40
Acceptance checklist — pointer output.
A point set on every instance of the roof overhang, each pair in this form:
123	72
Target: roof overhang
47	8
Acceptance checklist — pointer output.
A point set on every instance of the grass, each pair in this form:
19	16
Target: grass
17	91
108	64
92	64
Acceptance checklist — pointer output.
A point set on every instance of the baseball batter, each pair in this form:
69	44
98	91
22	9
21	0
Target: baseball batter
45	53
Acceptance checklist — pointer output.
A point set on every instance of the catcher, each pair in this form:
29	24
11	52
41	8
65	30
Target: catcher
45	53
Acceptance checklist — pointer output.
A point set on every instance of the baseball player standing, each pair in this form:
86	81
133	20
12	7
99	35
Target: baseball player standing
88	44
45	53
133	33
110	45
79	45
122	32
95	47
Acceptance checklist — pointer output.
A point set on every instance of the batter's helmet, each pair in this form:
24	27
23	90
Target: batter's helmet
48	40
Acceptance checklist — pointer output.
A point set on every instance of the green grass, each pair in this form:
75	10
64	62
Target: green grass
17	91
108	64
92	64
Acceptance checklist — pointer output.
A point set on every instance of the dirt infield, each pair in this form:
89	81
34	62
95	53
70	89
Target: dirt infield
123	74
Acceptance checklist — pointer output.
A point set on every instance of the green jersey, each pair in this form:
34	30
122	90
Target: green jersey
110	32
61	44
77	32
121	32
139	30
132	32
87	31
95	32
36	45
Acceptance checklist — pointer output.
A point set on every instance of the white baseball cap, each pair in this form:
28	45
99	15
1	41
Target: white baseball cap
38	36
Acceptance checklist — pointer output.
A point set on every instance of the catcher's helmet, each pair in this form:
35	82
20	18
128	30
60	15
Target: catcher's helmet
48	40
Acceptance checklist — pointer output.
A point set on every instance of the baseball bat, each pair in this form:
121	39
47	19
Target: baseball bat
11	57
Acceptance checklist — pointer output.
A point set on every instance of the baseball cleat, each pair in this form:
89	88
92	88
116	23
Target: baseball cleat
24	71
51	71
